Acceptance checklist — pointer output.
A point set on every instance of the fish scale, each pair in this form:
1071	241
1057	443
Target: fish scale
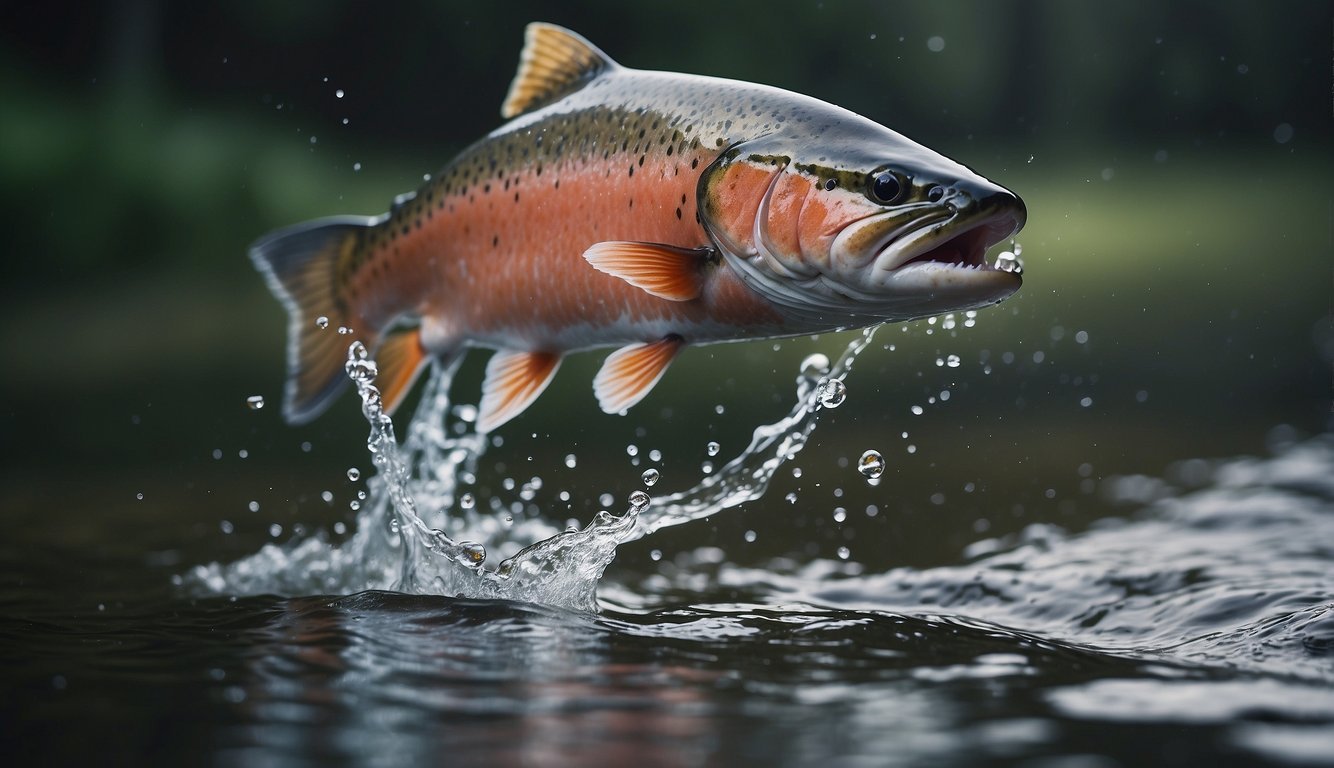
641	210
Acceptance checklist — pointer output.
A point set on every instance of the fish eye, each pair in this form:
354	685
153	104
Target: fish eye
886	188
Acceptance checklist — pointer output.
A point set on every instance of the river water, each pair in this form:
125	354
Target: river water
1191	622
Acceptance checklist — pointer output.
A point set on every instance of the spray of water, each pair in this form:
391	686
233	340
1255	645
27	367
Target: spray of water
400	542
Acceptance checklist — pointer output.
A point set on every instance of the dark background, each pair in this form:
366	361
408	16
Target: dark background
1174	157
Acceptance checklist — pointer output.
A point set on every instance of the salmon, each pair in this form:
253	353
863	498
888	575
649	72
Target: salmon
641	210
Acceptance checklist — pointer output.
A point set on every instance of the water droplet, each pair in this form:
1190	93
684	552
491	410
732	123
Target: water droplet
255	402
1283	133
226	526
353	474
840	514
1086	401
340	528
791	497
639	501
362	370
650	477
1008	261
356	167
815	366
832	393
139	495
327	496
275	530
321	322
871	464
750	537
713	448
917	410
706	467
253	506
343	330
354	505
844	553
471	553
339	93
952	361
570	460
632	450
655	555
935	44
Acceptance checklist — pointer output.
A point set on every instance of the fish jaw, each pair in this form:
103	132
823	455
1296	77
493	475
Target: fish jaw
828	258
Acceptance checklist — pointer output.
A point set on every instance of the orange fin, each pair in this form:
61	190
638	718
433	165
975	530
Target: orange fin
399	359
666	271
300	265
630	372
513	381
555	62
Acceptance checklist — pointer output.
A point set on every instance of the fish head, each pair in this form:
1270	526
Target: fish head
846	231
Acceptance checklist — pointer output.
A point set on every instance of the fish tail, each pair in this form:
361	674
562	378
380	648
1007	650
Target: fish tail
300	264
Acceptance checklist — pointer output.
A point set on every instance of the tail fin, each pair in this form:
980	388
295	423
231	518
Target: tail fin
300	265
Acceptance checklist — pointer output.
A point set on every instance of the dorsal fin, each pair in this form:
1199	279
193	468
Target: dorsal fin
554	62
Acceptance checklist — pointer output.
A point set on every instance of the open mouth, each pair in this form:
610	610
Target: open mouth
966	250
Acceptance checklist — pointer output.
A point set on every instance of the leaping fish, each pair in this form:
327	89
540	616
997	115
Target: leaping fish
640	210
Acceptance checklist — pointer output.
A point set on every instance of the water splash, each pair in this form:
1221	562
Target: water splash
401	541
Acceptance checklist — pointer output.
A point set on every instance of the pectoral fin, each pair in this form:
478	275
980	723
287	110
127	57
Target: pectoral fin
630	372
513	381
666	271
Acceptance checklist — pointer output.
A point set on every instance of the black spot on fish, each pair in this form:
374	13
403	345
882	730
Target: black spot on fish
632	170
694	163
641	161
516	196
678	214
495	241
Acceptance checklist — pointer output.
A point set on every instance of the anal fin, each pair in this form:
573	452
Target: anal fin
513	381
399	359
666	271
629	373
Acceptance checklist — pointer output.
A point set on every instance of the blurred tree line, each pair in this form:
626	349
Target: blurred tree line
139	132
